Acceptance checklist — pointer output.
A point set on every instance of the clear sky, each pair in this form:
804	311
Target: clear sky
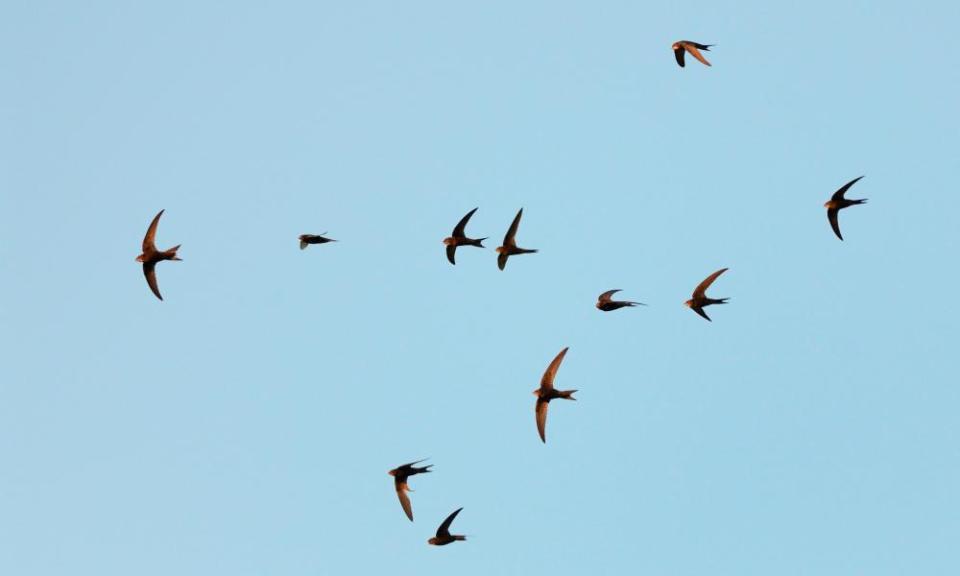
245	425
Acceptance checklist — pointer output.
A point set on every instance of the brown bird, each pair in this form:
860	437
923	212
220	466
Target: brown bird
509	247
151	255
459	238
444	536
307	239
837	203
400	475
700	298
605	303
546	392
683	46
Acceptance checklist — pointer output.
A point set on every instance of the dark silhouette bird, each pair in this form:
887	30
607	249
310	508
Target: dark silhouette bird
151	255
546	392
837	202
459	238
307	239
683	46
510	247
700	298
400	475
605	303
444	536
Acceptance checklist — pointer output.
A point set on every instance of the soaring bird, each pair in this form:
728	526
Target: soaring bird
837	202
683	46
400	475
151	255
546	392
307	239
510	247
459	238
444	536
700	298
605	303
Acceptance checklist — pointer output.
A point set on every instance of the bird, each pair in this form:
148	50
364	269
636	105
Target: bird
400	475
700	298
444	536
837	202
682	46
546	392
151	255
607	305
510	247
459	238
306	239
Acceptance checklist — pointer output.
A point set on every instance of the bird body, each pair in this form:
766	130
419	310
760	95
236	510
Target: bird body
700	298
546	392
151	256
307	239
400	475
681	47
607	304
444	536
510	247
459	238
837	202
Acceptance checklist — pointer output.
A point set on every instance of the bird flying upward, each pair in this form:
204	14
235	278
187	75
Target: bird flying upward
700	298
443	536
510	247
459	238
607	304
151	255
546	392
681	47
837	202
400	475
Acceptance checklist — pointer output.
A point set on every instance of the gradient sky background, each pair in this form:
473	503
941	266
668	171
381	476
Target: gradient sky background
245	425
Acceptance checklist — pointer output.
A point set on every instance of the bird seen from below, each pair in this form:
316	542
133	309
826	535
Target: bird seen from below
307	239
681	47
546	392
444	536
459	238
837	202
151	255
700	298
607	304
510	247
400	475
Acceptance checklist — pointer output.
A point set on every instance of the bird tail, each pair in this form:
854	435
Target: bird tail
479	242
173	252
861	201
526	251
568	394
459	537
705	47
720	301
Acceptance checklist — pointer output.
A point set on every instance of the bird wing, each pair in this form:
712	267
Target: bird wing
701	290
303	244
696	53
459	230
605	297
678	52
451	254
148	245
541	409
702	313
838	195
502	261
401	487
833	215
508	239
444	529
149	271
547	380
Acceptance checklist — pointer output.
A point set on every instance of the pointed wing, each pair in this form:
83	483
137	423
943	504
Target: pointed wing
701	290
148	244
702	313
838	195
541	409
605	297
444	529
678	53
451	254
508	239
833	215
547	380
303	244
696	53
502	261
460	230
149	271
401	487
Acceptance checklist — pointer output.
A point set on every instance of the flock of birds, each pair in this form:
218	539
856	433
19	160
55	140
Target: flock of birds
546	392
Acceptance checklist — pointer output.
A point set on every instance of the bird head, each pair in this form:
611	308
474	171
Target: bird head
140	258
448	241
828	204
392	472
688	303
501	249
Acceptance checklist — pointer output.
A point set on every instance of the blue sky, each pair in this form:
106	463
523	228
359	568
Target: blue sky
245	425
